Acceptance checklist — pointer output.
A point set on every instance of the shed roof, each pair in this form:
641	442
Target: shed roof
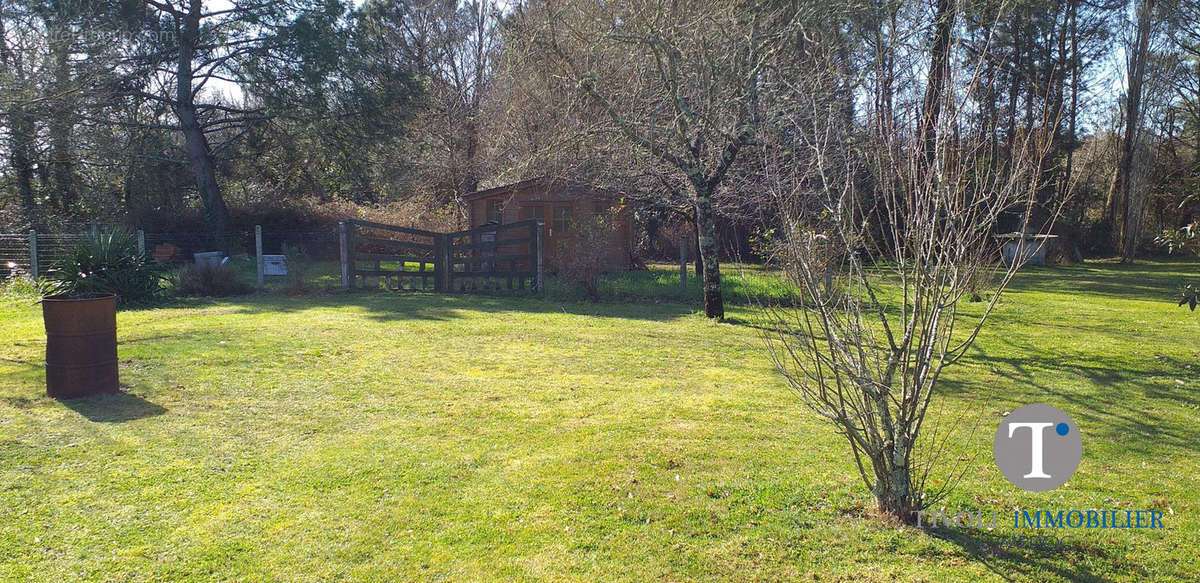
544	182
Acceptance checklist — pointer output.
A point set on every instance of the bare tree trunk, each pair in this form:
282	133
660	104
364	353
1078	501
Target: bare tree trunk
939	70
1073	111
992	119
20	138
479	75
62	161
1132	200
21	131
1196	97
897	500
714	306
884	59
216	214
1014	92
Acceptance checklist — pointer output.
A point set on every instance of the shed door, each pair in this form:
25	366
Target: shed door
538	211
557	230
562	229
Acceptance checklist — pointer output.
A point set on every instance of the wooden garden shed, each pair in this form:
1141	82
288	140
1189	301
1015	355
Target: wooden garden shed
562	206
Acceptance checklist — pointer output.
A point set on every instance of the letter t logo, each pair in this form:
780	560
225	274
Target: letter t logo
1029	464
1035	430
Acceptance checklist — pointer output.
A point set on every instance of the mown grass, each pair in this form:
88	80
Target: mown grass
743	283
388	437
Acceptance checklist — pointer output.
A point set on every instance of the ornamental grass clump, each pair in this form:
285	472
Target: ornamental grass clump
107	263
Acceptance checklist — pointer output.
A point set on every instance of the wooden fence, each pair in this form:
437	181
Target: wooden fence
491	258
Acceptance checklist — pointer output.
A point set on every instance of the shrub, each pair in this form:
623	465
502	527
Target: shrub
216	281
107	263
19	287
1183	240
978	282
588	256
1189	294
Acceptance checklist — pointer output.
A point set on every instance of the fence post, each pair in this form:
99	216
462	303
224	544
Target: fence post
683	261
258	254
439	262
537	239
344	244
33	253
141	242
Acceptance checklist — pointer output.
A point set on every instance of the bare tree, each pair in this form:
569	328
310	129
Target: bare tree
452	46
1130	195
866	348
679	81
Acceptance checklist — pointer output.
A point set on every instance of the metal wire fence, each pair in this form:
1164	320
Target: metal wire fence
25	253
35	253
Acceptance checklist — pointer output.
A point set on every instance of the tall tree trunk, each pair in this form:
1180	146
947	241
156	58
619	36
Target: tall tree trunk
1073	108
885	74
714	305
62	162
1032	85
475	101
992	115
1014	93
1132	199
216	214
21	132
1112	201
1196	127
1072	129
939	73
21	129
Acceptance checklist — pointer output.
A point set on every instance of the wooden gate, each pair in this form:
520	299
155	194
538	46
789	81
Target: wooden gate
489	258
496	257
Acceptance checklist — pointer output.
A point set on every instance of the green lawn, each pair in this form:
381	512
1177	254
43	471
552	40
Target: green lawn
392	437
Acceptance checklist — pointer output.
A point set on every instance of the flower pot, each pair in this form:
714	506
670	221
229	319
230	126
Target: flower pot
81	344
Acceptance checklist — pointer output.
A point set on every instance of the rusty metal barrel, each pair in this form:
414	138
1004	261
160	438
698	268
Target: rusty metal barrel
81	344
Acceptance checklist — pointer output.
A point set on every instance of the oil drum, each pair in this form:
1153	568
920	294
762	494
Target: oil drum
81	344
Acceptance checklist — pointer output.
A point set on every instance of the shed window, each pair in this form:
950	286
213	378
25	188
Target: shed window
495	210
563	215
533	212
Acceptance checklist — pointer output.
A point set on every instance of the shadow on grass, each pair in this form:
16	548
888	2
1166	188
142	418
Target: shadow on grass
1070	561
385	306
1147	280
1120	403
114	407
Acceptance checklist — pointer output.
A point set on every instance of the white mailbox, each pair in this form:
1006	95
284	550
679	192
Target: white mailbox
274	264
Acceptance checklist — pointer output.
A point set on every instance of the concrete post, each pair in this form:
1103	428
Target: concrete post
346	254
683	261
258	254
33	254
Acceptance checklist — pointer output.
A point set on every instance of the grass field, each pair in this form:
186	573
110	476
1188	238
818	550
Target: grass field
393	437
